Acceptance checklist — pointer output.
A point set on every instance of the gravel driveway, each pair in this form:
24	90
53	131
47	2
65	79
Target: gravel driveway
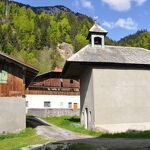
61	135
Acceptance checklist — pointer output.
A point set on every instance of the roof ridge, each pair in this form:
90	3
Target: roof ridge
127	47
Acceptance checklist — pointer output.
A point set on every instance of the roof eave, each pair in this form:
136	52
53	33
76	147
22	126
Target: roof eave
66	73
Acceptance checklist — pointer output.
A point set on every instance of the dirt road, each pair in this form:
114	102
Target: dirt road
55	133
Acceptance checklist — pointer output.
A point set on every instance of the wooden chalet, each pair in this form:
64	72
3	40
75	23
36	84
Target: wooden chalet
52	84
15	76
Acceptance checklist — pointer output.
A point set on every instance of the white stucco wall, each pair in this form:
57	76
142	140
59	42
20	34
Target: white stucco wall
121	99
87	99
57	101
12	114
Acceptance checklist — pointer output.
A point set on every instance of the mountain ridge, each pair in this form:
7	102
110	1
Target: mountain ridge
51	10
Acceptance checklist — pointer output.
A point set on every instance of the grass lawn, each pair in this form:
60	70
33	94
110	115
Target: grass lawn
16	141
73	124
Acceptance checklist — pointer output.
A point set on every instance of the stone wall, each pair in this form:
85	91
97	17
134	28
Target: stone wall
53	112
12	114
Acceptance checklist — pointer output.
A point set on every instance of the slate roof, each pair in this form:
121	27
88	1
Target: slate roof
97	28
112	54
97	55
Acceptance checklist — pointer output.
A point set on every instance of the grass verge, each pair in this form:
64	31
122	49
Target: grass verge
22	139
73	124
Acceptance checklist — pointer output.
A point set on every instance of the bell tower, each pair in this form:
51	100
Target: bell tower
97	35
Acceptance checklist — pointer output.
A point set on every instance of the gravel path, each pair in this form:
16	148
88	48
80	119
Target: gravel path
61	135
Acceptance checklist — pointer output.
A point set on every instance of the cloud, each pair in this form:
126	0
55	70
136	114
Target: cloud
87	4
140	2
127	23
84	3
95	18
122	5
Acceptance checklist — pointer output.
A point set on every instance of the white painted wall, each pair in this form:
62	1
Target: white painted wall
57	101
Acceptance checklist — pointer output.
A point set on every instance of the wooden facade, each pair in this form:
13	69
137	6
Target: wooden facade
52	84
14	86
15	76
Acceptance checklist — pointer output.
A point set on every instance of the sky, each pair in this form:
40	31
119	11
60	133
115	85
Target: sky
119	17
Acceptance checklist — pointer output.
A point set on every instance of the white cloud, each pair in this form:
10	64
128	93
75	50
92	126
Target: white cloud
108	24
95	18
87	4
84	3
127	23
140	2
122	5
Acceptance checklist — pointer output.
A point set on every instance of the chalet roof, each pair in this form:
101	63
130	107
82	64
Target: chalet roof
47	75
97	28
17	61
107	55
29	71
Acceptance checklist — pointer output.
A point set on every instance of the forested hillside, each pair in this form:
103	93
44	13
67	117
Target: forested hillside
139	39
33	34
33	37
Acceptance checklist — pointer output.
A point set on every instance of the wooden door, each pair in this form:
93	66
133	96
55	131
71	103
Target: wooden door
75	106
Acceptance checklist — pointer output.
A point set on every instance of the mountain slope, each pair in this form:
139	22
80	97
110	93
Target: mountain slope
139	39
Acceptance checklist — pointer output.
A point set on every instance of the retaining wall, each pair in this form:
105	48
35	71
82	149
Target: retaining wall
53	112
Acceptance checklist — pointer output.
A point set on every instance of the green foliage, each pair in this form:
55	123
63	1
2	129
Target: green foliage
139	39
73	124
79	42
25	34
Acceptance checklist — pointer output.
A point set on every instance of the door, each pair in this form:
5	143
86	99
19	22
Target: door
86	118
75	105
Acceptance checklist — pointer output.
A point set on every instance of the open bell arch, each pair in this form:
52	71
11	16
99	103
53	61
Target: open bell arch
97	40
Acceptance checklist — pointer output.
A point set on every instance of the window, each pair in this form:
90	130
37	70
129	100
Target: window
3	76
61	82
97	41
27	104
71	81
69	105
47	104
61	104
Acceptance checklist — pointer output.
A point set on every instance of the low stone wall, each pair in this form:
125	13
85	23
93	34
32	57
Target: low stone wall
12	114
53	112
